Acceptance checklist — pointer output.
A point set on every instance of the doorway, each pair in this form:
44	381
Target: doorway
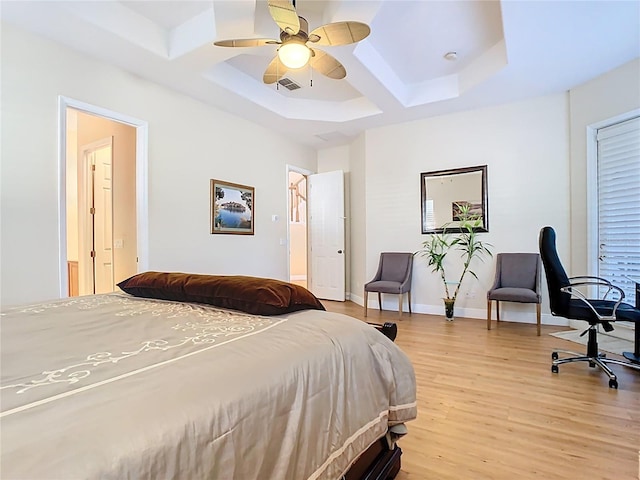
297	226
316	232
103	202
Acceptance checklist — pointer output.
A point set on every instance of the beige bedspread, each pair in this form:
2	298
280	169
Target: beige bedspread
115	387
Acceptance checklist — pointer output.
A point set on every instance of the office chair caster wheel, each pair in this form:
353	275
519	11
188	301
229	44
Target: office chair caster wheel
613	383
592	365
554	369
554	356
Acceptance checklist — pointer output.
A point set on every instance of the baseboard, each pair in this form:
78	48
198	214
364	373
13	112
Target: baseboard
506	314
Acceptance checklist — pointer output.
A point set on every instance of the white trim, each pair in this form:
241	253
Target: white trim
142	166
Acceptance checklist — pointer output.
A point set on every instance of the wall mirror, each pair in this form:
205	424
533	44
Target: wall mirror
444	191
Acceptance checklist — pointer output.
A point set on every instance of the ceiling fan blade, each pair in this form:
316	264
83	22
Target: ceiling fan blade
285	15
274	71
339	33
327	65
248	42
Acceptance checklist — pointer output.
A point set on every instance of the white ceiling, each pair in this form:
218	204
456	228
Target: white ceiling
506	51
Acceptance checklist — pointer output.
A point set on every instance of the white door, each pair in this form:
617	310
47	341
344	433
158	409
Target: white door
618	186
103	220
95	265
326	235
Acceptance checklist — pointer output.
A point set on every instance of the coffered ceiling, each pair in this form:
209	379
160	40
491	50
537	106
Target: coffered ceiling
504	51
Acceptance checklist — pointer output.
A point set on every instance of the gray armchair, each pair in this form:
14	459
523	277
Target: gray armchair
517	280
393	276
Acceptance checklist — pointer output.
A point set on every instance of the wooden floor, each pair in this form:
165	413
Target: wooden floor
490	408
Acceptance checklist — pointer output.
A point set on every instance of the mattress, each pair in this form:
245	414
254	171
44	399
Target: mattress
115	386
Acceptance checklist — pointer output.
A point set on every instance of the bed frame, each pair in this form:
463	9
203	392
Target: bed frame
378	462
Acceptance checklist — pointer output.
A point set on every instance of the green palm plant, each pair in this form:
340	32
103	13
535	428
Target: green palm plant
465	241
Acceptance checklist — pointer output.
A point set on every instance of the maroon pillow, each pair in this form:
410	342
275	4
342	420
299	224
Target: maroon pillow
259	296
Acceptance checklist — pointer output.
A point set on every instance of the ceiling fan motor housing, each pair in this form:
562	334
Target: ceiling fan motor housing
302	35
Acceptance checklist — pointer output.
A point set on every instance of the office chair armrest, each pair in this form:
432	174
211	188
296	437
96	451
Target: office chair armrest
581	296
597	281
590	277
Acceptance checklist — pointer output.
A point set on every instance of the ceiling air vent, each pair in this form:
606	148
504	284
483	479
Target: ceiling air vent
288	84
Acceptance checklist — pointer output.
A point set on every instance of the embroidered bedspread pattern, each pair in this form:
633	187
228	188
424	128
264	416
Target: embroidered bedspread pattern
85	340
113	386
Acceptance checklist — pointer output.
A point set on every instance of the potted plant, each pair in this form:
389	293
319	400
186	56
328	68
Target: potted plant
466	242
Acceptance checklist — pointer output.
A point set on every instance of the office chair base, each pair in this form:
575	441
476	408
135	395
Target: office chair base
631	356
600	360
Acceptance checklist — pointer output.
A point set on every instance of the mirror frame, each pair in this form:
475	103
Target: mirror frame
456	171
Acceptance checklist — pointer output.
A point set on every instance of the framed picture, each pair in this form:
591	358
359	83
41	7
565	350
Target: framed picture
232	208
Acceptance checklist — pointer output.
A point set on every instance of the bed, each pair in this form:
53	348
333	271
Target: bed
154	384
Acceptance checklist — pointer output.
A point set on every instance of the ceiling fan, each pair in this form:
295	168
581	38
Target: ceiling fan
293	52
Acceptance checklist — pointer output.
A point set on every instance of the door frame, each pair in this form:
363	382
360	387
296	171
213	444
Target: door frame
592	185
592	204
142	165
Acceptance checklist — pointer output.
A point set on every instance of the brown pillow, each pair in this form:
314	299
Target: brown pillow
259	296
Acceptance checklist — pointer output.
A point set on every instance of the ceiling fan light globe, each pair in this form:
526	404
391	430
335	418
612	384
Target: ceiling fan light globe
294	55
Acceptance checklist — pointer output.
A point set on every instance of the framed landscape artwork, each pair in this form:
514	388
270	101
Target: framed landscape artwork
232	208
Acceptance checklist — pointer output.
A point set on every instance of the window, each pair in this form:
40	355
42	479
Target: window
618	198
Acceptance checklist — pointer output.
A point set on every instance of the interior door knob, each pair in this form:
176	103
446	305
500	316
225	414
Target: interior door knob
339	251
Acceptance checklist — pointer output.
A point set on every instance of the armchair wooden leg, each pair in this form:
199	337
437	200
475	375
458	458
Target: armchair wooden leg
409	296
379	301
366	299
488	314
400	305
498	310
538	308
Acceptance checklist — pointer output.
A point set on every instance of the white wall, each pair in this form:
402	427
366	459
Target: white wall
525	146
357	215
189	143
609	95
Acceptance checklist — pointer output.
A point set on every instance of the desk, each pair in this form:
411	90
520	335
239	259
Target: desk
635	355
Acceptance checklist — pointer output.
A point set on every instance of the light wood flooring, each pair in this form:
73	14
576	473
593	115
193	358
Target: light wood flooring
490	408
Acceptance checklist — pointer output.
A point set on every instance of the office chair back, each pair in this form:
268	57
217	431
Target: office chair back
554	273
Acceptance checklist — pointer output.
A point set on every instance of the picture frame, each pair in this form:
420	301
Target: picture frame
445	192
232	208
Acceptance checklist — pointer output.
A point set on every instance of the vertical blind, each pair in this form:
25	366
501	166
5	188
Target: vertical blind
619	205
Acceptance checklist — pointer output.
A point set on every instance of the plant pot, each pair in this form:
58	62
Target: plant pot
448	308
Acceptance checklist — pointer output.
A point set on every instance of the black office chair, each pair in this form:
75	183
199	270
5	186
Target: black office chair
569	302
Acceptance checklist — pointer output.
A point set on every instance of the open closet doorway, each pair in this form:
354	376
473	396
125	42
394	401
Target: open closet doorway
103	220
297	225
317	246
